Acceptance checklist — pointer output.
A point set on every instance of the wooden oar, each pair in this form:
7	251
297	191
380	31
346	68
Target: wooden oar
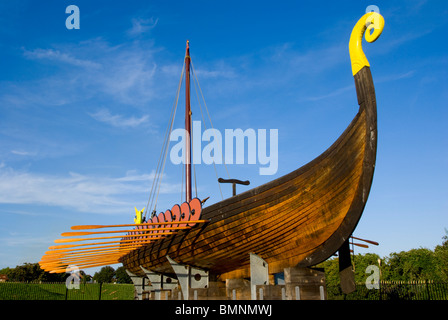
85	227
368	241
116	245
359	244
111	237
118	248
74	259
54	257
142	231
78	260
83	259
64	246
95	255
64	269
61	264
74	254
78	264
124	246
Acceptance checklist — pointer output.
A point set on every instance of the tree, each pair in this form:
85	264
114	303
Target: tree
85	277
121	276
105	275
29	272
52	277
331	267
361	262
415	264
441	255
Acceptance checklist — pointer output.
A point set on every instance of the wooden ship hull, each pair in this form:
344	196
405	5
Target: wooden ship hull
300	219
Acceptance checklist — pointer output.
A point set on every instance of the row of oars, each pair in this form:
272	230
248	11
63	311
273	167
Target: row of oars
90	252
362	245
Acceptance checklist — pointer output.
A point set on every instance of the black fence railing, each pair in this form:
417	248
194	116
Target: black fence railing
59	291
394	290
388	290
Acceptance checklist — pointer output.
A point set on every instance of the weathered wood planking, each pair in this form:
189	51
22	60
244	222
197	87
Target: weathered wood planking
300	219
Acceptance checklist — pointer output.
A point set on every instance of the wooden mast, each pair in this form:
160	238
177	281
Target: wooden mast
187	126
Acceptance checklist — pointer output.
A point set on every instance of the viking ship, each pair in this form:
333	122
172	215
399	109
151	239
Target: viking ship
299	219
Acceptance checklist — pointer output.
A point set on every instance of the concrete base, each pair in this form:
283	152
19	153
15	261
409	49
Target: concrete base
297	284
238	289
271	292
305	284
215	291
140	283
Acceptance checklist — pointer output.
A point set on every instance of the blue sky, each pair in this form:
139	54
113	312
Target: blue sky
83	112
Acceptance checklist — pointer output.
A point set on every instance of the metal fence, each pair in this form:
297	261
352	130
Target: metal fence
394	290
388	290
59	291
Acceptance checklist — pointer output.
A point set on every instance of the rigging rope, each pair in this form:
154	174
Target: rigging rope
182	185
208	114
196	85
214	165
157	180
168	140
159	171
192	152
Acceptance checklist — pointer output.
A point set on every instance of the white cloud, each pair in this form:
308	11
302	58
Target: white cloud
333	94
22	153
56	55
218	70
84	193
118	73
351	87
396	76
140	25
117	120
315	60
23	239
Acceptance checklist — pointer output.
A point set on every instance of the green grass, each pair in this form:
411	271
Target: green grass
58	291
111	291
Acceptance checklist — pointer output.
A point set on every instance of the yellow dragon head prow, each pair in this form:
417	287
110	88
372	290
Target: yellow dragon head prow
369	21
